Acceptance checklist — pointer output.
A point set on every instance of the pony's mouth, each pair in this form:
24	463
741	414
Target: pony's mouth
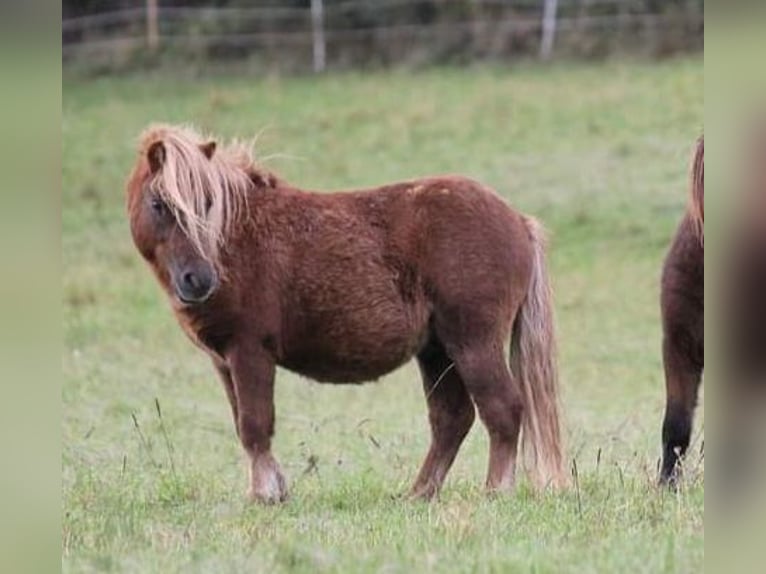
193	301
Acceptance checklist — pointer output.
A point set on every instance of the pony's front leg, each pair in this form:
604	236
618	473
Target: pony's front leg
228	385
252	374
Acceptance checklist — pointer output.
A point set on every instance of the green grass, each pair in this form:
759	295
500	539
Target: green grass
598	152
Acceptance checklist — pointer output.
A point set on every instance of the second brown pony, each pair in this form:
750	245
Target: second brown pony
683	304
345	287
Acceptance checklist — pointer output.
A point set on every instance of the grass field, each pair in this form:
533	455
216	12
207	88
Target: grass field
598	152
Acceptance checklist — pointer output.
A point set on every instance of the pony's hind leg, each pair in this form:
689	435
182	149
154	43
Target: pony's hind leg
450	413
489	382
682	380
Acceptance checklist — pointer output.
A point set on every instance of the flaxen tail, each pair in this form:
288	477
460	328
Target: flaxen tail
697	190
533	363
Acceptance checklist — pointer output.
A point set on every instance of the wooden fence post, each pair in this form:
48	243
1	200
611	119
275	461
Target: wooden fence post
152	25
623	18
548	29
317	32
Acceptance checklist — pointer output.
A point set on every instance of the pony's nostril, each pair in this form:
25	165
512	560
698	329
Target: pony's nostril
190	280
194	286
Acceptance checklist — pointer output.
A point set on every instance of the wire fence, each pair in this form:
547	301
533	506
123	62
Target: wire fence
325	34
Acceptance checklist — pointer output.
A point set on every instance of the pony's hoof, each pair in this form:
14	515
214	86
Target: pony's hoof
267	483
424	492
670	482
500	490
671	476
498	493
267	498
269	494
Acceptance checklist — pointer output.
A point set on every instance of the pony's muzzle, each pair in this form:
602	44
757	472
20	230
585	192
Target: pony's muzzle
195	284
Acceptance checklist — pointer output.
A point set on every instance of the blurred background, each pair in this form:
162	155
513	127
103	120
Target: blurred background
300	35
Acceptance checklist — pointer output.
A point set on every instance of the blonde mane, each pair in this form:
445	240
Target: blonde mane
696	208
206	194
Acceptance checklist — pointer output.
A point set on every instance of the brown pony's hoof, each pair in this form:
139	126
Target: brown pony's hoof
671	481
267	498
495	492
425	492
267	483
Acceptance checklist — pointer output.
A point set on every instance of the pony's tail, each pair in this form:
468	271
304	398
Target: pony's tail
533	364
697	189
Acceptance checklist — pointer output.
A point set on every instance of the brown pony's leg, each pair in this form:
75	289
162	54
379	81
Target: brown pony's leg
228	384
451	414
682	380
498	399
252	373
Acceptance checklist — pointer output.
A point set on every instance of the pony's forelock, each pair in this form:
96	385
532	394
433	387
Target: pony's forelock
207	195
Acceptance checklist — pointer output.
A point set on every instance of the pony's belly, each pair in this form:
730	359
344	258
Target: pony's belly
353	319
354	357
328	369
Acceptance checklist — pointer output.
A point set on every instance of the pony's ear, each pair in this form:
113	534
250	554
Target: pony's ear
208	148
155	155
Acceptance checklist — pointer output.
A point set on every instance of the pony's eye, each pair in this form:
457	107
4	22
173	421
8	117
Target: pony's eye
158	206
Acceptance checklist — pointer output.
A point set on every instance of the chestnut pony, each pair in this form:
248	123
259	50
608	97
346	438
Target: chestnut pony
682	304
345	287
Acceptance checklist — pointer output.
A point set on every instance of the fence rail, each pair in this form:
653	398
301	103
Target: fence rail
322	30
